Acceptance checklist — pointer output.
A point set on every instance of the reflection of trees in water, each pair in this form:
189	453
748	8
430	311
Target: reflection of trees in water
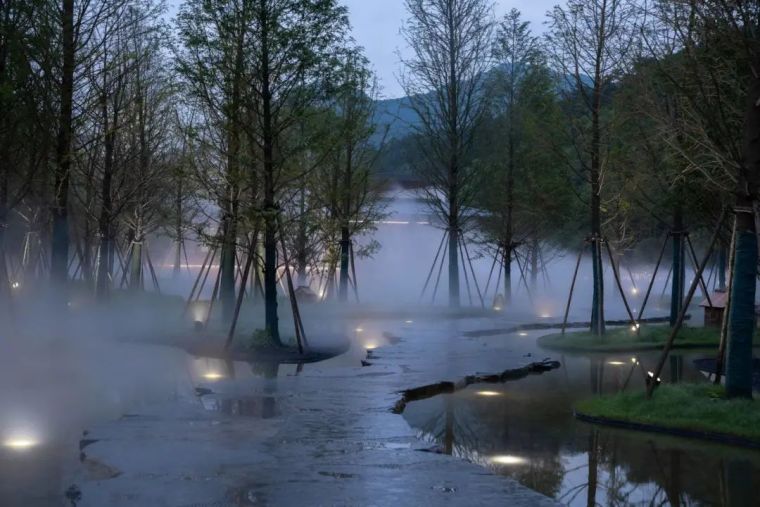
475	430
533	420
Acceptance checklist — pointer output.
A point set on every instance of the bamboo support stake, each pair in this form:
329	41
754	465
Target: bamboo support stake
652	384
693	256
654	276
432	266
724	322
572	288
241	294
472	270
616	275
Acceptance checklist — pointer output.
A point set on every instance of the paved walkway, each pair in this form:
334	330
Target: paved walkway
327	437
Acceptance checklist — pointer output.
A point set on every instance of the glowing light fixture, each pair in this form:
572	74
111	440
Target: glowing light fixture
634	291
15	285
370	346
488	393
497	308
20	443
615	363
213	376
408	321
359	330
508	460
522	333
545	316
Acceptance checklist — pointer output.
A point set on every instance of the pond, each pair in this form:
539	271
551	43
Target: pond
526	430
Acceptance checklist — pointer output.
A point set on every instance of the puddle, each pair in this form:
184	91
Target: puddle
526	430
262	407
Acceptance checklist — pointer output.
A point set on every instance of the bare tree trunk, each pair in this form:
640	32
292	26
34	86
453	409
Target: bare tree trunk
60	240
270	210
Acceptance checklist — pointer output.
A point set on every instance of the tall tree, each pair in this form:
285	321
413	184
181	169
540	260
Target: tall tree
450	43
592	42
516	51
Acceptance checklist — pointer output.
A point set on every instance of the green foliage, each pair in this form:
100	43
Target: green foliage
696	407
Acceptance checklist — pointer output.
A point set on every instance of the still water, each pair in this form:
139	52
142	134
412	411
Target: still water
526	430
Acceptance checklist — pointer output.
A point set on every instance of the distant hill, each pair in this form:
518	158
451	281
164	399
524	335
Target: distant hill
396	115
400	119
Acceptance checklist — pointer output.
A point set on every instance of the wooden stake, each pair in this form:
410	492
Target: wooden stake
572	288
654	275
652	384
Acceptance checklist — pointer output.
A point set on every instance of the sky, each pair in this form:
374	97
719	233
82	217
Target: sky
376	27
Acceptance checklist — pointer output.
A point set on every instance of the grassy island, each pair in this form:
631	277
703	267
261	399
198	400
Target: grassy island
624	339
692	410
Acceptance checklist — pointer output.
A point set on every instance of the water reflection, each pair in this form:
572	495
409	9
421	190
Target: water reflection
528	432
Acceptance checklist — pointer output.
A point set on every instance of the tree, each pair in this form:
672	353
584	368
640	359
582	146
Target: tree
450	41
516	51
592	43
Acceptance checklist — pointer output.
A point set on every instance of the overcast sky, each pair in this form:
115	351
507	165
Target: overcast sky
376	25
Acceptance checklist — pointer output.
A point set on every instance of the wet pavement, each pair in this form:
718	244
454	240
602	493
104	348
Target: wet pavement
319	434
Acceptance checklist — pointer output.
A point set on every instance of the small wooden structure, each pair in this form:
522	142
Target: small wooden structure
714	312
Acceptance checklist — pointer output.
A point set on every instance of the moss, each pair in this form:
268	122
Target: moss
692	407
624	339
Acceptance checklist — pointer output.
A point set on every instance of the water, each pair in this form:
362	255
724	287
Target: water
526	430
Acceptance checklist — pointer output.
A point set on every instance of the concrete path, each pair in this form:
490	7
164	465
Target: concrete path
325	436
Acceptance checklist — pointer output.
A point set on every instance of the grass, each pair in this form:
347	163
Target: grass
625	340
693	407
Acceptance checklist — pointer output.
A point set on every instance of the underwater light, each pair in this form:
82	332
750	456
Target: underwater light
20	443
488	393
508	460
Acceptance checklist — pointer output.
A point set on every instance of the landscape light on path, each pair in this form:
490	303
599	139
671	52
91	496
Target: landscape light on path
507	459
20	443
488	393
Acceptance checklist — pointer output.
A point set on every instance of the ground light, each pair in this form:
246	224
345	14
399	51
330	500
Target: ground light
506	459
20	443
488	393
